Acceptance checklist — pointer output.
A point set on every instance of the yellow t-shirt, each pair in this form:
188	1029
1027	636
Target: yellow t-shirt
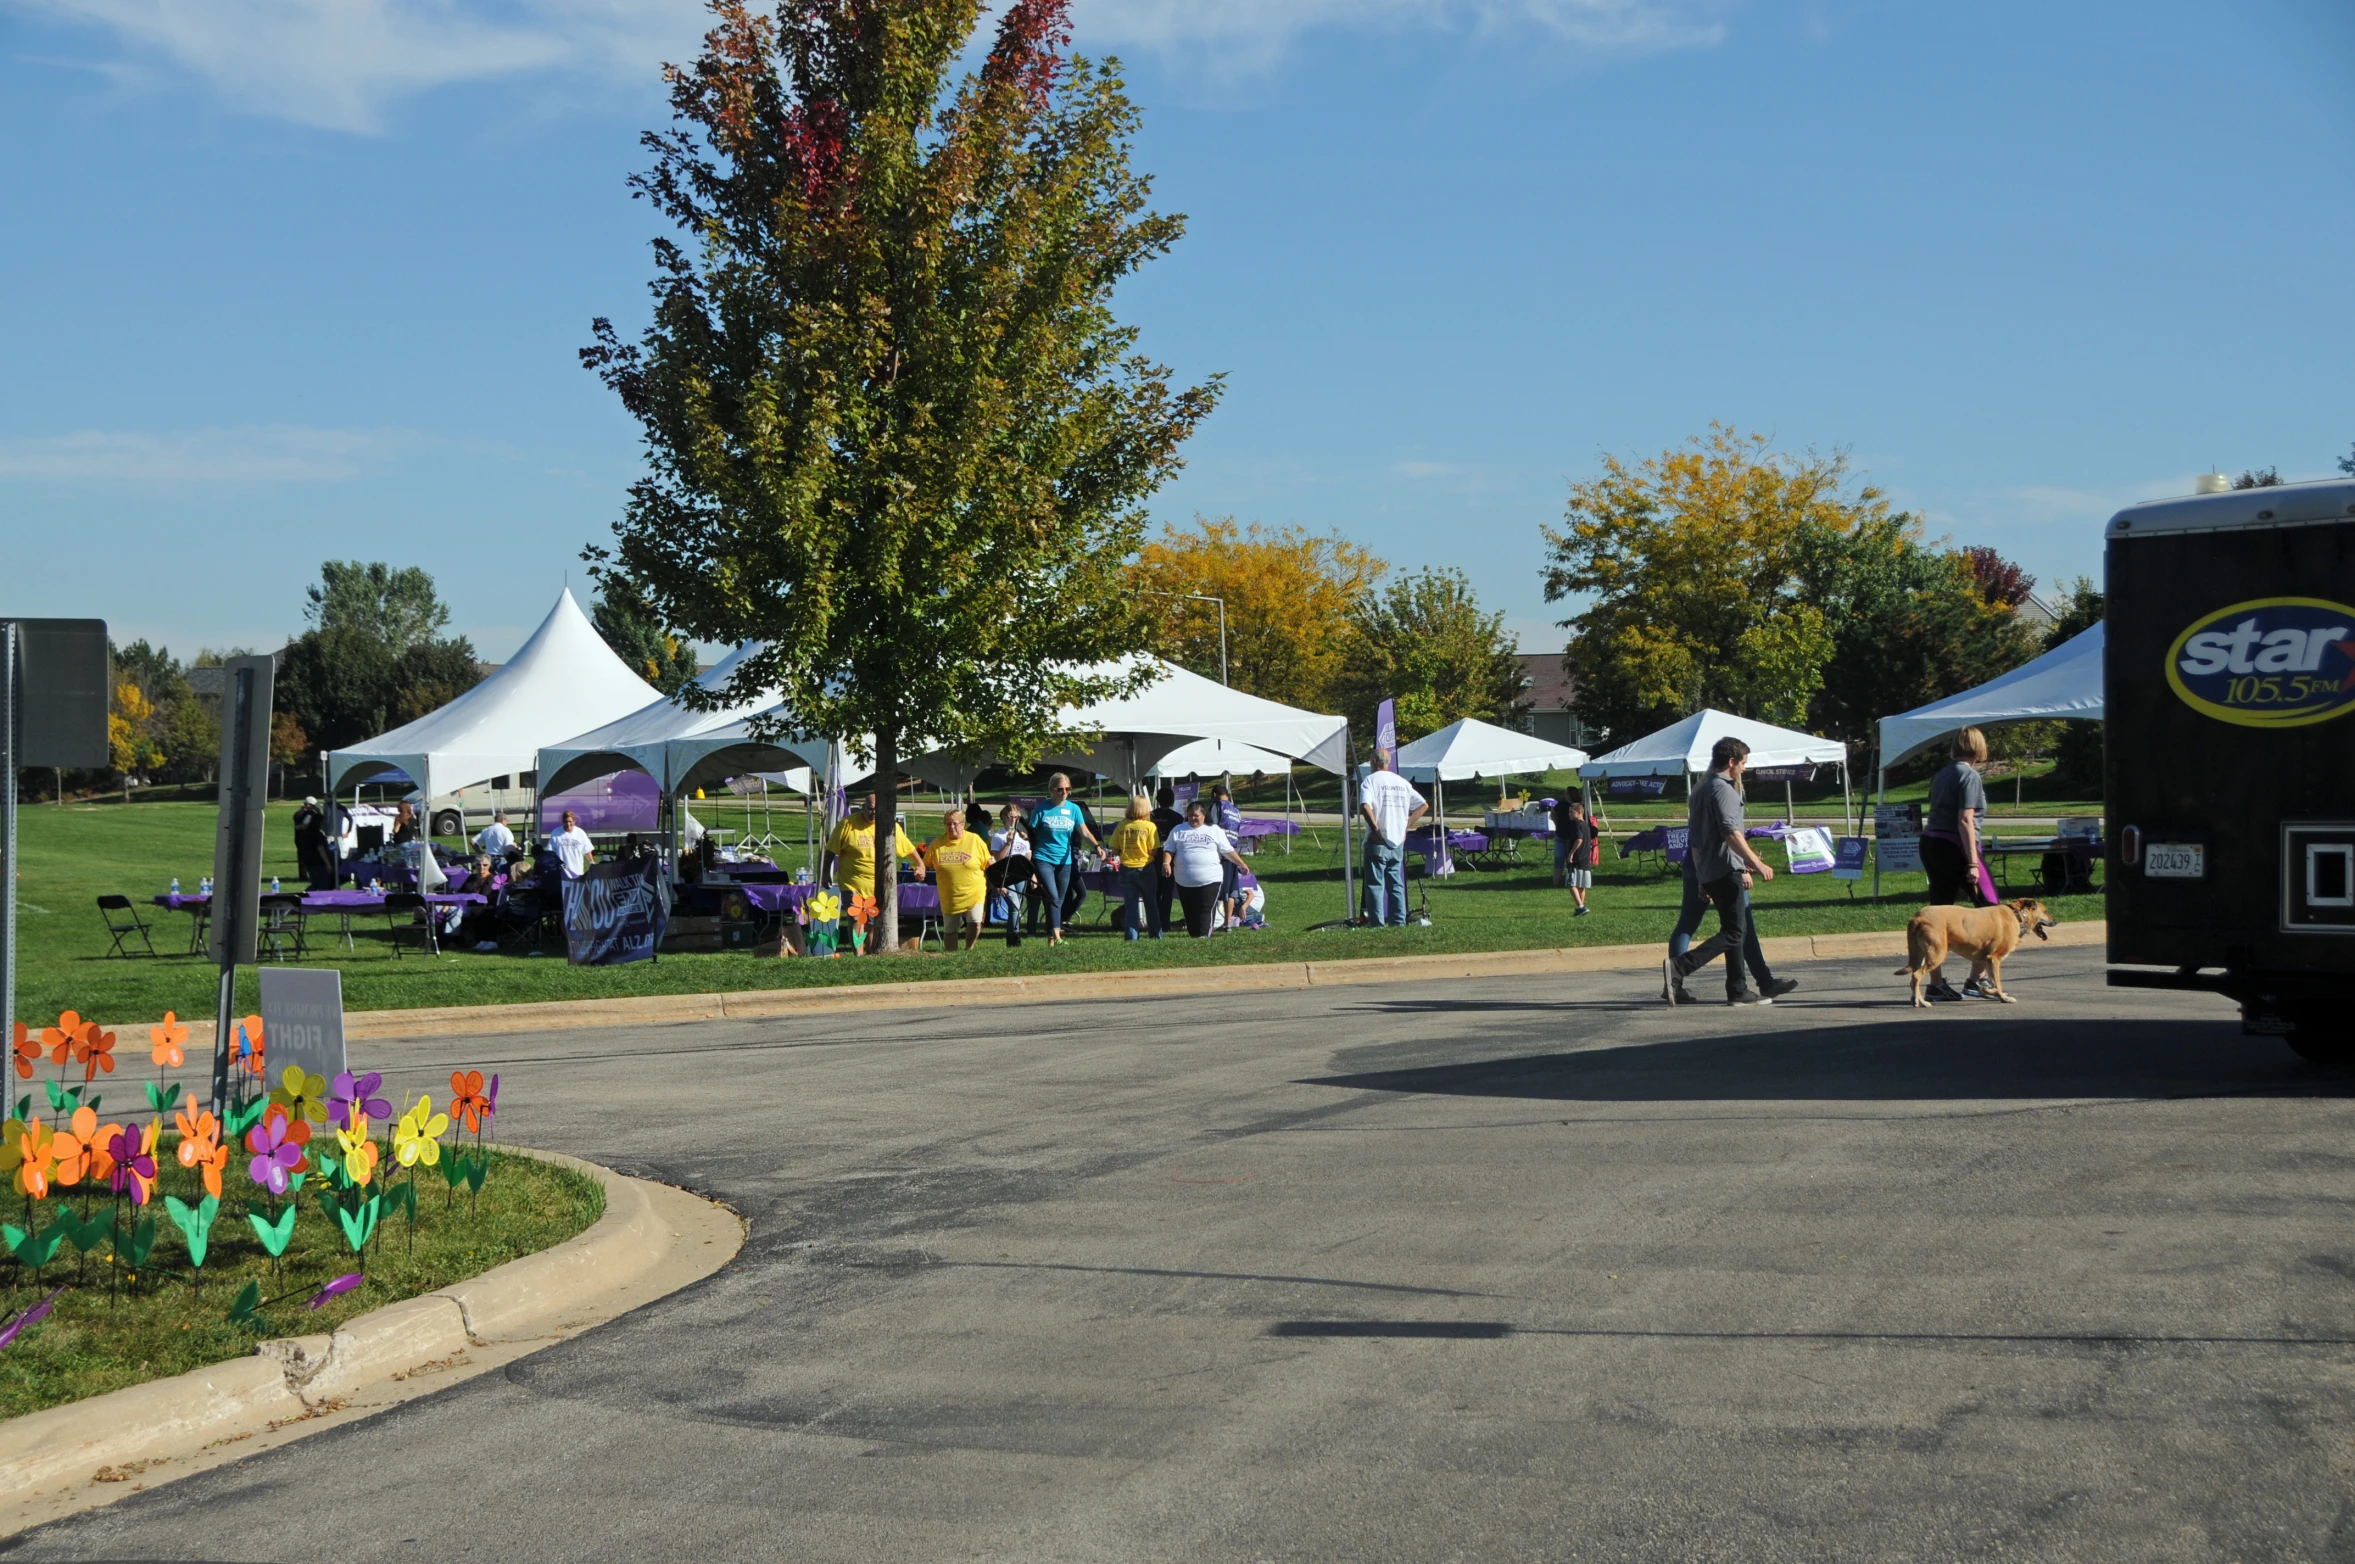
962	866
854	854
1135	841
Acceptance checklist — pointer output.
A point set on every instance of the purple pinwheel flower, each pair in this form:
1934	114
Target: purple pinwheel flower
342	1284
349	1093
30	1318
274	1163
490	1099
134	1164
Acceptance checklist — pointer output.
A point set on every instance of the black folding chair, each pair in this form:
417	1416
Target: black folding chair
123	923
419	920
285	929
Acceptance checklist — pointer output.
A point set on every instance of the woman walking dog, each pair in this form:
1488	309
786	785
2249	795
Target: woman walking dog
1950	844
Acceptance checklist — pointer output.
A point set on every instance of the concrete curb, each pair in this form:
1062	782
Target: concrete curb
652	1240
1250	977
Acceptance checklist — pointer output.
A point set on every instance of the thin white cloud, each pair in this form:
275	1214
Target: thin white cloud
261	455
342	64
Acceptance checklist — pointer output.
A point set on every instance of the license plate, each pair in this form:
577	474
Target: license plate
2175	861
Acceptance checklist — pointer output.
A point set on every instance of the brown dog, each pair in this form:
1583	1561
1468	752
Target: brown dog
1985	934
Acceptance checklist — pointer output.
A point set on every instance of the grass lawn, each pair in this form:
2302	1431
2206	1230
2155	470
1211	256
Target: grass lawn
74	853
169	1318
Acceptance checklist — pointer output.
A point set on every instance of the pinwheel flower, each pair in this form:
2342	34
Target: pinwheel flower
29	1150
82	1150
28	1051
359	1152
467	1103
133	1152
96	1052
302	1095
356	1094
862	908
167	1042
418	1137
275	1156
249	1046
200	1144
64	1040
824	907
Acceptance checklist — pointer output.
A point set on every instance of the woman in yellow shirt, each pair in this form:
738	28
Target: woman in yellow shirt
1135	842
852	847
961	860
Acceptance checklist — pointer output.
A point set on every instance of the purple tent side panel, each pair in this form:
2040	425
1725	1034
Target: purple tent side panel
624	801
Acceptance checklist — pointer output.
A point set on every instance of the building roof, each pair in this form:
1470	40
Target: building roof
1546	681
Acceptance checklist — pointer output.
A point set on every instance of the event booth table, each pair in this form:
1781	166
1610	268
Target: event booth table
334	903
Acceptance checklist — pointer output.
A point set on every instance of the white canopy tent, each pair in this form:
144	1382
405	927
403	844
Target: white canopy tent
1682	749
1217	758
679	746
2065	682
565	680
1471	749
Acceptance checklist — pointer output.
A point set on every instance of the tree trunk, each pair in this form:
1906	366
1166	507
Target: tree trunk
886	840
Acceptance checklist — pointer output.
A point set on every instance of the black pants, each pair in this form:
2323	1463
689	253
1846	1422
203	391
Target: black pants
1201	902
1950	874
1726	896
1164	892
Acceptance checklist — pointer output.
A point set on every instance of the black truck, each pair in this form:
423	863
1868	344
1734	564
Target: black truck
2229	755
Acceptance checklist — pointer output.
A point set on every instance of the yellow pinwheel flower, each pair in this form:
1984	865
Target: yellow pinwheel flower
418	1138
303	1096
824	907
359	1152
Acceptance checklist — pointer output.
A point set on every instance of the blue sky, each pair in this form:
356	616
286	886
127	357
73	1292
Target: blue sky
289	279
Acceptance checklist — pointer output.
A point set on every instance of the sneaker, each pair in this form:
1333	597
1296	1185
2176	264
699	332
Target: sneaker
1942	992
486	947
1779	987
1582	912
1684	995
1748	997
1671	986
1972	989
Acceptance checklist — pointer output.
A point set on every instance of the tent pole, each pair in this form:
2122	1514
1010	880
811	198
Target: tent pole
1348	839
1880	801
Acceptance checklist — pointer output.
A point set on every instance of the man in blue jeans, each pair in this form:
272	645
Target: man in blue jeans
1391	807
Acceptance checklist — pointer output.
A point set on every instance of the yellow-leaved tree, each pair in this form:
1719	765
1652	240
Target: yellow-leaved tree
130	731
1688	567
1289	597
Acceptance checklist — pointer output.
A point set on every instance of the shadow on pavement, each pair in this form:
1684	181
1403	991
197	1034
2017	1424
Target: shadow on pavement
1903	1060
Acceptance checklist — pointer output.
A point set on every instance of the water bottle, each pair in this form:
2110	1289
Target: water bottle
205	886
175	887
273	885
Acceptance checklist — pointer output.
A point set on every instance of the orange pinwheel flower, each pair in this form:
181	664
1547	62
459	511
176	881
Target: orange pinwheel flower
28	1050
32	1150
97	1051
200	1146
168	1041
862	907
64	1039
467	1103
81	1150
252	1061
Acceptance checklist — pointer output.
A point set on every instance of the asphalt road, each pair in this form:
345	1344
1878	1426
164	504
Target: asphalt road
1517	1270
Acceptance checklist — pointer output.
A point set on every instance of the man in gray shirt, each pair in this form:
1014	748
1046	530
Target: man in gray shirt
1721	856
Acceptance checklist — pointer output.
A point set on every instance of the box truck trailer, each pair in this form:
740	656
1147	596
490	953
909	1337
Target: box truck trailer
2229	755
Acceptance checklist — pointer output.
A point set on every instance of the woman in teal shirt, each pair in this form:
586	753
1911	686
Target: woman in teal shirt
1052	831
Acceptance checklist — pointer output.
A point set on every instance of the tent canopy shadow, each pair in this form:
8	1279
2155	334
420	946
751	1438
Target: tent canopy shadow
1897	1060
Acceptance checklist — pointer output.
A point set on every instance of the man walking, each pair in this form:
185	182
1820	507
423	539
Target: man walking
1391	807
1720	856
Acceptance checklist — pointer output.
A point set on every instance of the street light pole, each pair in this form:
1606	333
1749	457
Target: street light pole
1204	597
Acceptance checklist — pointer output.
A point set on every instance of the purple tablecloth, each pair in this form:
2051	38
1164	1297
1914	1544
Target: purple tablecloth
1258	828
334	901
915	898
1457	841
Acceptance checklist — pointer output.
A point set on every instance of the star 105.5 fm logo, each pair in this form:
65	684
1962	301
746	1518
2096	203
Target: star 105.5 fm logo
2277	662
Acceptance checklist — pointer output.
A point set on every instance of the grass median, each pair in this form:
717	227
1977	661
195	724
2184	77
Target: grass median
75	853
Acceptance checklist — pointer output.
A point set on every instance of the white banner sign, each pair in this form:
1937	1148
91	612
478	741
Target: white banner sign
302	1021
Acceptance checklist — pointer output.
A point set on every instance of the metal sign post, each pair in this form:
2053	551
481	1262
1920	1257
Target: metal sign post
237	843
53	703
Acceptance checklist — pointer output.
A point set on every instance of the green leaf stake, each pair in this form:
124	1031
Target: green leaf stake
246	1312
195	1224
159	1097
131	1247
86	1233
359	1226
34	1252
275	1233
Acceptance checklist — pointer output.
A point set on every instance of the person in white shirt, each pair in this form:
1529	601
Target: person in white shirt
1391	807
1192	855
574	852
494	839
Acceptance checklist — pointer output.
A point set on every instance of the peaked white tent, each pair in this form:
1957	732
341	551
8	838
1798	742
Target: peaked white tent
2065	682
565	680
1471	748
680	747
1682	748
1177	709
1218	757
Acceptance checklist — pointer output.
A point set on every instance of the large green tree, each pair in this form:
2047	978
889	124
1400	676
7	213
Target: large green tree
1424	641
894	432
374	656
639	638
